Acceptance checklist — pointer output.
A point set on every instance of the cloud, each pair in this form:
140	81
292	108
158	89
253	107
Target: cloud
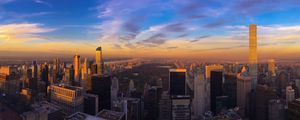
117	46
215	24
43	2
6	1
200	37
173	47
182	35
153	40
175	27
23	32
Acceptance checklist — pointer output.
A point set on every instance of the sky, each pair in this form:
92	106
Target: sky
207	29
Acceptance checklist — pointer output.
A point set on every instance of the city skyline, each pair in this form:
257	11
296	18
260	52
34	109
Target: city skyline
173	28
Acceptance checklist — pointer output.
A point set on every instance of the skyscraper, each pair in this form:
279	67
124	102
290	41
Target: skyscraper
84	70
216	80
33	83
253	55
177	82
271	67
99	61
76	63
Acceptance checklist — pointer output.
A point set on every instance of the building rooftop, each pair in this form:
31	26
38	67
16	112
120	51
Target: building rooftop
110	115
82	116
49	107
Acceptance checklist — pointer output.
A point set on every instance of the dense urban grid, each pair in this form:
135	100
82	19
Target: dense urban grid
150	89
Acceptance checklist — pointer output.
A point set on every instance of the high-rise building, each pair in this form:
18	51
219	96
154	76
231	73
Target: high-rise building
262	96
297	84
181	108
276	110
45	77
290	94
272	67
216	86
76	64
84	70
177	81
72	76
114	89
101	85
230	88
44	111
33	81
70	98
253	55
91	104
243	90
200	100
293	110
210	68
165	106
99	61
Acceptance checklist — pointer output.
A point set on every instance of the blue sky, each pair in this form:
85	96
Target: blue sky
140	27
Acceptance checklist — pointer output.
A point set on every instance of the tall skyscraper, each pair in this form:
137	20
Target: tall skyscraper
200	100
84	72
216	87
177	82
76	63
45	77
243	90
253	55
33	83
99	61
271	67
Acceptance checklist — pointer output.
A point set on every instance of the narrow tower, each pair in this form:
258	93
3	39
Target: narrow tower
253	55
76	64
99	61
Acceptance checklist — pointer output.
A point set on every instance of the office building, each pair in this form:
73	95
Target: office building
230	88
165	106
99	61
263	95
44	111
200	100
84	72
181	108
91	103
70	98
45	78
216	86
210	68
253	55
294	110
290	94
276	110
101	86
272	67
177	79
76	65
297	84
114	89
243	90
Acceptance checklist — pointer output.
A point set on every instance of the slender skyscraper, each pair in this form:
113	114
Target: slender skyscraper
76	64
253	55
99	61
